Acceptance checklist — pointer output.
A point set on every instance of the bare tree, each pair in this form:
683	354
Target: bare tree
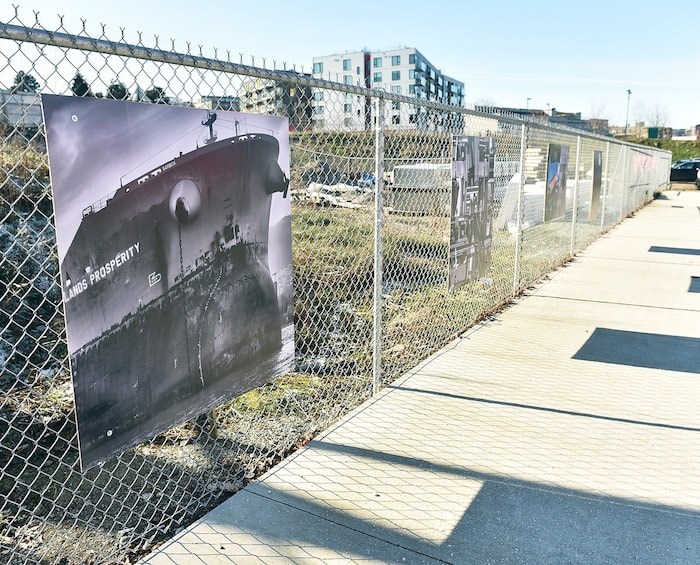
490	102
597	110
597	118
657	115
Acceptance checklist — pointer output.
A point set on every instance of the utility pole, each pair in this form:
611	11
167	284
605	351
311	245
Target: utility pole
627	114
527	104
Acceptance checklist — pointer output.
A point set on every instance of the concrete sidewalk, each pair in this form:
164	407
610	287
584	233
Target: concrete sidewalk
567	430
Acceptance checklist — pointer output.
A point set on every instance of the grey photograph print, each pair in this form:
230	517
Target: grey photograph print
471	232
174	240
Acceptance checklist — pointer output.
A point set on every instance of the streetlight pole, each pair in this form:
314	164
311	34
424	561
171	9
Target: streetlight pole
527	104
627	114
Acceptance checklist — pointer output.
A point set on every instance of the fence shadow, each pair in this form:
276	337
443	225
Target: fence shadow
537	522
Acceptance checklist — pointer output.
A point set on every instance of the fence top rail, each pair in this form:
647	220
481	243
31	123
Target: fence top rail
42	36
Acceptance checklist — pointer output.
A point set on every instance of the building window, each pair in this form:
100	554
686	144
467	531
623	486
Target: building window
377	77
377	62
346	64
348	122
396	120
396	89
412	59
318	109
347	108
396	105
395	60
358	70
318	67
318	95
412	74
395	75
411	88
347	79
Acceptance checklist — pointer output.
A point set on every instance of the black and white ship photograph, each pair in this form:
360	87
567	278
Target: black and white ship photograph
471	233
174	240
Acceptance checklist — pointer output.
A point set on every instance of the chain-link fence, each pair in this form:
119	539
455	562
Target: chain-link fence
371	197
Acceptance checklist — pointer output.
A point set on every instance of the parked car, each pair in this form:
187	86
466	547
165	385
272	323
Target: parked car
686	171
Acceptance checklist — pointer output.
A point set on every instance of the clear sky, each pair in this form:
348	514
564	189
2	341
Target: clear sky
571	55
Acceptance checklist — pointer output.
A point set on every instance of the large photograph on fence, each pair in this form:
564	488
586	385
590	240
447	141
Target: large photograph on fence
174	240
555	190
471	232
596	185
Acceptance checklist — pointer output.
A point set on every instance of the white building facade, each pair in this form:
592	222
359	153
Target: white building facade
401	71
20	109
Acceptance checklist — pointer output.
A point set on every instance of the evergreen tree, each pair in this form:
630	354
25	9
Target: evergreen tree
80	87
117	91
157	95
24	82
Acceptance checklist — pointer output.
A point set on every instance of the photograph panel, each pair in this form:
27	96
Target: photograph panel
174	239
596	185
555	189
471	233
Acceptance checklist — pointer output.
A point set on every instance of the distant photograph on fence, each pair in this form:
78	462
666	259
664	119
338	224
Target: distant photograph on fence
596	185
174	240
471	232
555	189
642	164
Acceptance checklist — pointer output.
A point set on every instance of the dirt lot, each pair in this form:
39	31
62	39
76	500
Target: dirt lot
683	186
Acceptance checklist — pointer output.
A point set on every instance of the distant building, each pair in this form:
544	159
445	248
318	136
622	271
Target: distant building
278	98
552	116
20	109
403	71
682	134
232	103
599	126
533	114
643	131
656	132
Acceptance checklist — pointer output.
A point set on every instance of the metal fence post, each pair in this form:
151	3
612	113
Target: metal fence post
378	257
519	217
606	172
574	212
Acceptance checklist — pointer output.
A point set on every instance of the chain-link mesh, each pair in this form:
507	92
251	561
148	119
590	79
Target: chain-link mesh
50	511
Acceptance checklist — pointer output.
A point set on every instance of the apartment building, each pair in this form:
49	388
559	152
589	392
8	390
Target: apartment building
223	102
403	71
278	98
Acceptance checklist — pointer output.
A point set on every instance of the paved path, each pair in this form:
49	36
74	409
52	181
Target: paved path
567	430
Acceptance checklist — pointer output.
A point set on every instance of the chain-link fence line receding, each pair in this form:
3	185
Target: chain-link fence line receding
371	198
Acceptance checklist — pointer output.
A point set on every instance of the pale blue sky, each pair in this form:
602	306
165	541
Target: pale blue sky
575	56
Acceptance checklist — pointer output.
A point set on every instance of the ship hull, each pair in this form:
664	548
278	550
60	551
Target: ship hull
170	303
197	345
